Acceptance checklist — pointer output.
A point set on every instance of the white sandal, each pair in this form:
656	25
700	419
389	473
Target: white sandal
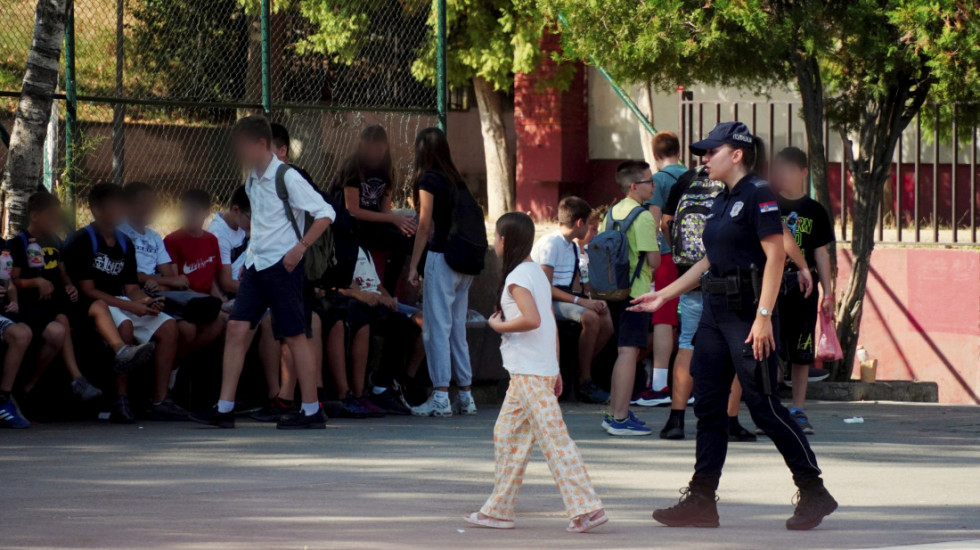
487	521
587	522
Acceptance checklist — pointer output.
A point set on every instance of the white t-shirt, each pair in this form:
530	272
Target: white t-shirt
231	244
150	250
533	352
560	255
365	275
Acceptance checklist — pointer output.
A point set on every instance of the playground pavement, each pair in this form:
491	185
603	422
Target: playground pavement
907	477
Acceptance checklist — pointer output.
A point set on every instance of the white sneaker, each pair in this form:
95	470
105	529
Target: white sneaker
433	407
464	406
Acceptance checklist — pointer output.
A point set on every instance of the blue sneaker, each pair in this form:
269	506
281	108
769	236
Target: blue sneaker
631	426
589	392
11	417
607	418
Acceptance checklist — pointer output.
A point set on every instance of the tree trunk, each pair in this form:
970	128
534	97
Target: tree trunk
25	157
500	162
812	94
646	106
878	130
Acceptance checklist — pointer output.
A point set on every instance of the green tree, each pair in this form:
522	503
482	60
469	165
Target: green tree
488	41
864	66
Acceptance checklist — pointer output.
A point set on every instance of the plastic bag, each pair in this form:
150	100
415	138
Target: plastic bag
828	347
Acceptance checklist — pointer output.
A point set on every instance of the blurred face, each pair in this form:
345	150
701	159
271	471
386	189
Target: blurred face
282	153
373	153
110	213
47	221
141	209
250	152
241	218
787	177
580	229
498	245
720	162
593	229
643	186
193	216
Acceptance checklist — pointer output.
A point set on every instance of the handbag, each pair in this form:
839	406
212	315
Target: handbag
193	307
828	347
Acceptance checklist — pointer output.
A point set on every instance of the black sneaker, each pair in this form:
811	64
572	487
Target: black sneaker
696	508
390	401
813	503
738	434
168	410
122	413
212	417
274	410
300	421
674	429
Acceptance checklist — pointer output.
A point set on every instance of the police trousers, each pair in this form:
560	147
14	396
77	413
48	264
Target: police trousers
720	354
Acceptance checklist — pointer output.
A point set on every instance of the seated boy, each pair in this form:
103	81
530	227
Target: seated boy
196	255
16	337
153	264
102	262
45	293
558	256
401	327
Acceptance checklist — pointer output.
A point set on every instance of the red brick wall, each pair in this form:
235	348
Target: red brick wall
552	137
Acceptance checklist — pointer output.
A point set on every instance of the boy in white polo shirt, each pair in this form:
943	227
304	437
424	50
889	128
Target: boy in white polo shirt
273	278
558	256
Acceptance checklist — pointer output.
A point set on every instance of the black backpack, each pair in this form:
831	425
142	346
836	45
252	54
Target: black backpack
466	246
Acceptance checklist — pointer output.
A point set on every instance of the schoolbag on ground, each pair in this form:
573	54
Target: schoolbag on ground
466	246
609	259
322	262
692	212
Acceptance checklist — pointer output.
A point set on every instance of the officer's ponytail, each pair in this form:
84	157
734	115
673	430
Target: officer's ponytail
754	157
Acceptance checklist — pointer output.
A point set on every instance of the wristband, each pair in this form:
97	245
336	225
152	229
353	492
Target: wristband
304	243
575	300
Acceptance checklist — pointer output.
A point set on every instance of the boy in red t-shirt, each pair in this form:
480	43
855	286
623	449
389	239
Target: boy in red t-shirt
196	255
194	251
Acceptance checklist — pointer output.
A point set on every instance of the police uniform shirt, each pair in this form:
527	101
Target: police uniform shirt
740	218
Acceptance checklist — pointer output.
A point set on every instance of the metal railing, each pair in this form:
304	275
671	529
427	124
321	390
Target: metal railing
931	196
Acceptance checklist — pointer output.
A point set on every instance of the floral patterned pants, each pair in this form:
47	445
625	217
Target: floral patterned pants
530	414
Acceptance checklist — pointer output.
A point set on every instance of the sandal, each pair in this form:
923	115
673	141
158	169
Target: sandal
587	522
487	521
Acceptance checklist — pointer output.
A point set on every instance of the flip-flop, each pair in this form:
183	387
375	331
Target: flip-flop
588	522
492	523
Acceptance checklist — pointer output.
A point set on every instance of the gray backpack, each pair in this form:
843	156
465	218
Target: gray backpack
609	259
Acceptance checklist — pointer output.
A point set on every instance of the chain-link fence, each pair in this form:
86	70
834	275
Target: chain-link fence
159	82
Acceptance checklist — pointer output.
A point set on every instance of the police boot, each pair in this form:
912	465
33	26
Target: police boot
813	503
697	507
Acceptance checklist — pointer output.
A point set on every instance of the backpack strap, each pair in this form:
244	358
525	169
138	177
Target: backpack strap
91	235
623	228
283	195
23	238
120	238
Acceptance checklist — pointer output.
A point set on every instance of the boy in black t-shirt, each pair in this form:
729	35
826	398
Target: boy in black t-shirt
102	261
809	223
45	292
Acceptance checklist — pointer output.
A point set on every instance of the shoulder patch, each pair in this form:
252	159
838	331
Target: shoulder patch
766	207
761	183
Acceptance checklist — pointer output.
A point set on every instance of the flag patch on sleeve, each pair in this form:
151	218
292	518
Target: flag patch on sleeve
766	207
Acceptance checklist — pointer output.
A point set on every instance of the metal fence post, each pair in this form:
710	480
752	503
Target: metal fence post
119	109
71	112
266	58
442	91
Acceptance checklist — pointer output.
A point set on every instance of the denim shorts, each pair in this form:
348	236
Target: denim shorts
568	311
692	303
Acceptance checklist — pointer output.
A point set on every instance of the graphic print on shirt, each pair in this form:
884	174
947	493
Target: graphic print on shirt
800	227
191	267
107	265
372	189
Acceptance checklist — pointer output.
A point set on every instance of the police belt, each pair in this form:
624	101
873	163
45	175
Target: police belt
735	286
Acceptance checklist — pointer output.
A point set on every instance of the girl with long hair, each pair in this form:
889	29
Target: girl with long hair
435	185
368	179
530	413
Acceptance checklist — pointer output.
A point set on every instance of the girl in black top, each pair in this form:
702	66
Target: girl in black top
368	179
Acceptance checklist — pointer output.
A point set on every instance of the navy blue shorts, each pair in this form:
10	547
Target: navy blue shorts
632	327
276	290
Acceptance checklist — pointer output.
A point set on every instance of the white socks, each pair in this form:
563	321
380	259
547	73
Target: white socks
465	396
309	409
659	379
225	406
441	396
378	390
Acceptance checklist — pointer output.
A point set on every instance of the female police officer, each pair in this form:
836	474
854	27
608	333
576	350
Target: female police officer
741	276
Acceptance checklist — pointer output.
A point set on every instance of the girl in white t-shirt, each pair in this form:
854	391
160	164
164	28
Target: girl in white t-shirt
530	413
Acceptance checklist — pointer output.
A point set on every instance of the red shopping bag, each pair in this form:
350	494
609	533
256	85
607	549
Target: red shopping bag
828	347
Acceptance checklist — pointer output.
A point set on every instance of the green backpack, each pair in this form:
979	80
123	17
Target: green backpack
320	256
